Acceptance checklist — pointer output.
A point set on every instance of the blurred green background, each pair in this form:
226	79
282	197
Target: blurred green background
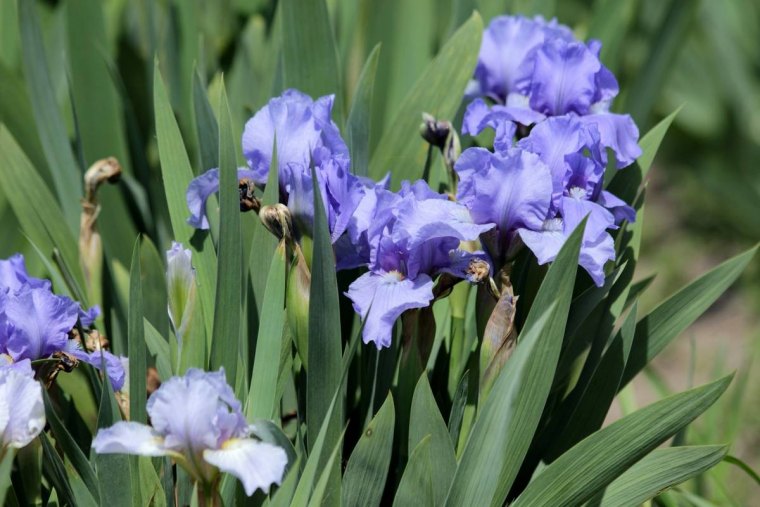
703	198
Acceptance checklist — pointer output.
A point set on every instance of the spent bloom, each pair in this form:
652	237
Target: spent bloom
407	238
22	413
197	421
532	69
35	323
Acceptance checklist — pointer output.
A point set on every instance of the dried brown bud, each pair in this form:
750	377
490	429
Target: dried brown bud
434	131
61	361
152	380
248	201
278	220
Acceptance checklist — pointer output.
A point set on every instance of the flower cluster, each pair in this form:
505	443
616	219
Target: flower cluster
549	100
405	238
36	324
197	421
538	187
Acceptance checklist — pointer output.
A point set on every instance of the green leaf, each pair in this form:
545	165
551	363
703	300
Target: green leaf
99	116
595	462
675	314
744	467
177	172
439	92
51	128
26	191
425	419
113	470
507	421
660	470
367	469
55	471
416	486
205	125
284	494
584	413
309	55
650	143
6	467
358	126
225	345
69	447
262	398
158	347
321	489
324	328
458	404
136	343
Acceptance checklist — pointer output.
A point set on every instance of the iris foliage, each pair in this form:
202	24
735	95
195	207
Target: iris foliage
341	253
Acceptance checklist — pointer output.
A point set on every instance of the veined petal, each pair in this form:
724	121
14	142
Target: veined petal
198	192
380	298
564	78
114	367
422	221
258	465
126	437
22	413
618	207
13	274
37	322
619	133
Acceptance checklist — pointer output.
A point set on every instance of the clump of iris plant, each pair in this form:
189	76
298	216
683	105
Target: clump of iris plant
197	421
51	331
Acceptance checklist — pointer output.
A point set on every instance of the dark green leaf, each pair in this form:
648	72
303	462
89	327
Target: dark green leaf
367	469
309	55
136	343
70	448
675	314
206	126
324	328
177	172
425	419
592	464
50	125
660	470
262	400
358	126
416	486
225	345
6	466
55	471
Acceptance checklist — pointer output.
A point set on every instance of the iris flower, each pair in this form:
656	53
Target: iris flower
305	135
22	413
532	70
410	237
35	323
197	421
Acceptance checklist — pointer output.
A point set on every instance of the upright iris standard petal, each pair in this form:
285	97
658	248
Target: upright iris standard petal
197	420
13	275
506	53
304	131
381	298
36	323
200	189
22	413
564	78
258	465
